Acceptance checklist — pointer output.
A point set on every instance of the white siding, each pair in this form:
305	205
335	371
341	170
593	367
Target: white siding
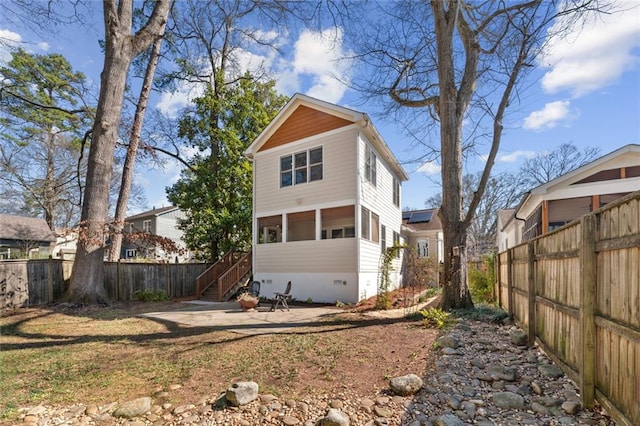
338	182
319	287
378	199
167	227
337	255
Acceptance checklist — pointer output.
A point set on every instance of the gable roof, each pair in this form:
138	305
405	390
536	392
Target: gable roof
22	228
326	116
504	215
575	177
152	213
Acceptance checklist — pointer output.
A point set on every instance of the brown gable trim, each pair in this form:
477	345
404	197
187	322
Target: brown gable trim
302	123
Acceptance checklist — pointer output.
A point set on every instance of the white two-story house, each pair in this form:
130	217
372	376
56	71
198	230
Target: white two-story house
326	203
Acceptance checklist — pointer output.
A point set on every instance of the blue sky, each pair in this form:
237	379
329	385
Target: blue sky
586	90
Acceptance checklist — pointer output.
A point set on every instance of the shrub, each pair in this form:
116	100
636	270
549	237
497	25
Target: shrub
151	295
481	281
434	317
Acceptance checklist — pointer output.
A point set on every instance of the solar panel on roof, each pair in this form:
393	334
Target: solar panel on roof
406	215
419	217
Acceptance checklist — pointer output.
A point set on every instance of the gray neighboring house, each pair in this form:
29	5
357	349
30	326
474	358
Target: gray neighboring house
162	222
25	237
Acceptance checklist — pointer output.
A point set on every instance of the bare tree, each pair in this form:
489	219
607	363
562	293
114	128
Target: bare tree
117	225
547	166
121	47
459	63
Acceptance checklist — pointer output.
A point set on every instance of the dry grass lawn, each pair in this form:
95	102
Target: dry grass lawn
100	355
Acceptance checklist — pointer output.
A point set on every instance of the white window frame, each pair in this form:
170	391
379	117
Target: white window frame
370	165
309	170
146	225
396	192
422	247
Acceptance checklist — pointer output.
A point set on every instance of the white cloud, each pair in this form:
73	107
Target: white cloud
319	56
44	46
547	117
515	156
317	67
595	55
171	103
511	157
8	41
429	168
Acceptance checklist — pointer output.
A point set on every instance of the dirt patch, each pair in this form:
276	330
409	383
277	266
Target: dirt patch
105	354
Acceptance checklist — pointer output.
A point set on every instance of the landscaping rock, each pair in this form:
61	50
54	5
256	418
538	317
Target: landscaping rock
449	420
518	337
508	400
550	370
334	418
134	408
406	385
571	407
242	393
502	373
448	341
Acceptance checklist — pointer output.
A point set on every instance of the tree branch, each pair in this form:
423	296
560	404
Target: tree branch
39	105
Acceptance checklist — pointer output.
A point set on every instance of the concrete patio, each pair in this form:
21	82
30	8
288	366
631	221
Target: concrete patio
228	316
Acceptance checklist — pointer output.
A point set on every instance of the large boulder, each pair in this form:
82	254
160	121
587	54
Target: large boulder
134	408
242	393
406	385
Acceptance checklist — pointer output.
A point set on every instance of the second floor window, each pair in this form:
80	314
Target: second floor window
301	167
370	168
396	192
146	226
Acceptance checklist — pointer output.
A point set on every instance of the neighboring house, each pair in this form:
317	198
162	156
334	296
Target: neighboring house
572	195
24	237
507	236
66	244
423	233
326	203
161	222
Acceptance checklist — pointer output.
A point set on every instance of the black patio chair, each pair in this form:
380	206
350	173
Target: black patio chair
281	298
254	288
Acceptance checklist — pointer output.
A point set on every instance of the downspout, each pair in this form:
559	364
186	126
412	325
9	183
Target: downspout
358	208
254	227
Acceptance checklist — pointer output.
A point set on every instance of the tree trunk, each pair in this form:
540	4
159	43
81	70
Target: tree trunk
132	150
87	279
49	192
452	104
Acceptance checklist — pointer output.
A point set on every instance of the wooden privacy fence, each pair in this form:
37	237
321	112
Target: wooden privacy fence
576	292
32	282
39	282
123	279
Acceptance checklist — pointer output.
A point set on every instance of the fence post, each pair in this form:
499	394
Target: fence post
510	281
588	261
50	280
498	280
118	280
531	255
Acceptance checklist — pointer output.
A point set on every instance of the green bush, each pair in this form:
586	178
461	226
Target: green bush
481	282
434	317
151	295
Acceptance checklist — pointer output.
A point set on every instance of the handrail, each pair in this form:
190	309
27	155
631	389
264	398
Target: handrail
227	280
211	274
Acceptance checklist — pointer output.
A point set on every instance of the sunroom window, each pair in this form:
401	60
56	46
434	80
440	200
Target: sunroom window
338	222
270	229
301	226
